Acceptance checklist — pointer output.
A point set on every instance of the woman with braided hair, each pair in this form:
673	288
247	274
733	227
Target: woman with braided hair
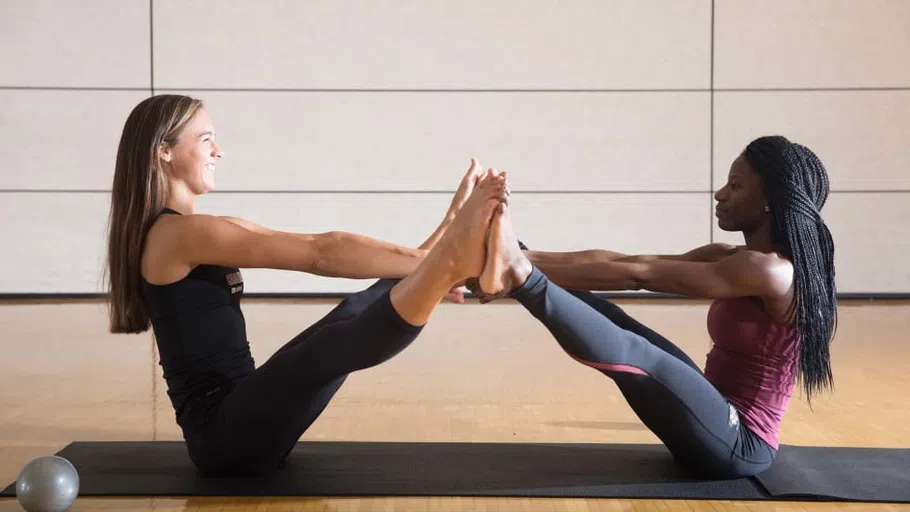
771	320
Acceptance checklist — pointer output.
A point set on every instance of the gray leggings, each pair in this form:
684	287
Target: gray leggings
664	387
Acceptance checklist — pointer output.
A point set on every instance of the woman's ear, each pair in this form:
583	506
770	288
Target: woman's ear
164	152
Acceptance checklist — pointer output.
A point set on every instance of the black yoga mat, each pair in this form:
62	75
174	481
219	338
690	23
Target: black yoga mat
492	469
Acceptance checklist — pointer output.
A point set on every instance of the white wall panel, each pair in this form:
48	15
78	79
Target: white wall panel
87	43
59	246
424	141
871	238
433	44
811	43
389	98
629	223
862	137
53	243
339	141
61	139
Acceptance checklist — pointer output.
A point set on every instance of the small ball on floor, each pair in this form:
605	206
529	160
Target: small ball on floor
47	484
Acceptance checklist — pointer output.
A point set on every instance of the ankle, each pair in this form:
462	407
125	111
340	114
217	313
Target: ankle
519	273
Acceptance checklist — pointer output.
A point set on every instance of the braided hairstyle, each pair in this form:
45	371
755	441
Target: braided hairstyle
796	186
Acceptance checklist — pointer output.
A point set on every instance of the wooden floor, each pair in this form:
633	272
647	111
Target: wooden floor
477	373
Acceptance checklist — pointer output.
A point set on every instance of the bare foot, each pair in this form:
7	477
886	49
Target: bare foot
466	186
464	243
506	266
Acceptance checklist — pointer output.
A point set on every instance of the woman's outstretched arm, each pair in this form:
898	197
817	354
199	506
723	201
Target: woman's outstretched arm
744	273
338	253
203	239
710	252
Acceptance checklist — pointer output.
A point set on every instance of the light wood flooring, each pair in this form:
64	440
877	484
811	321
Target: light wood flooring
477	373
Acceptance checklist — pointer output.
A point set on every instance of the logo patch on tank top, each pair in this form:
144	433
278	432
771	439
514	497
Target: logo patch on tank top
733	418
235	281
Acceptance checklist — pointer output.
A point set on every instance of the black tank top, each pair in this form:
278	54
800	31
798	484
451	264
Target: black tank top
200	330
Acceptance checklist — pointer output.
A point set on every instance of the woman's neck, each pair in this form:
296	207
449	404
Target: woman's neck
182	200
760	239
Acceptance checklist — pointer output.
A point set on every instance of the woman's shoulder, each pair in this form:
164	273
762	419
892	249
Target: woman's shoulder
158	264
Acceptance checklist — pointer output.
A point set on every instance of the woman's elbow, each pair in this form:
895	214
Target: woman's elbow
639	275
324	253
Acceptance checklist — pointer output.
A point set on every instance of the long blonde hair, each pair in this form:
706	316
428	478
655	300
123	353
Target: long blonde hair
138	194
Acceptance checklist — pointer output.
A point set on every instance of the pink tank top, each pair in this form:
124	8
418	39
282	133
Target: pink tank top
752	363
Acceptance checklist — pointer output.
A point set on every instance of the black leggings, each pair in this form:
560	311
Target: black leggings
250	426
664	387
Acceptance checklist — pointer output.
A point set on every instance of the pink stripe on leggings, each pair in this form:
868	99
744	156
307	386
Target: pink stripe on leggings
623	368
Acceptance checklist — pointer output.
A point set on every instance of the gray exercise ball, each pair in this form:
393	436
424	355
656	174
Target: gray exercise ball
47	484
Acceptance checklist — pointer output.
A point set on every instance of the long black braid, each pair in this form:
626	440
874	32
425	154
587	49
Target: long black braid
796	184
